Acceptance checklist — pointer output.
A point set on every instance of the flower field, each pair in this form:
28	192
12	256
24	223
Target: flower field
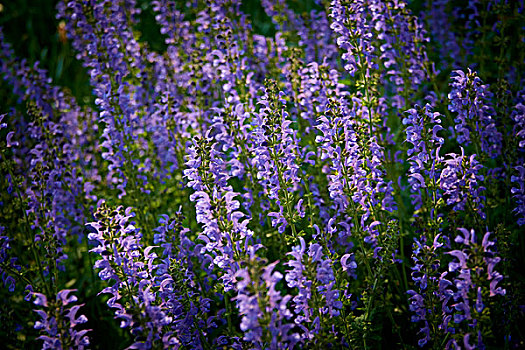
227	174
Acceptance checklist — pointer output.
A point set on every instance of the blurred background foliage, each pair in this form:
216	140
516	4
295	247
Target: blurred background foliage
36	35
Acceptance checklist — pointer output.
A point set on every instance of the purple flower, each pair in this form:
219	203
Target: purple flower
317	45
374	33
167	306
473	278
431	287
461	182
120	71
518	191
53	154
217	208
356	41
276	155
470	99
356	173
58	319
10	262
312	274
264	318
422	127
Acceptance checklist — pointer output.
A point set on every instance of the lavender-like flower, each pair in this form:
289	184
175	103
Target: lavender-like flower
264	317
422	127
276	156
474	280
101	34
311	30
424	301
225	232
50	170
475	123
356	173
373	34
295	278
287	140
58	320
248	306
518	192
355	36
403	53
313	275
183	290
462	183
8	264
132	268
58	151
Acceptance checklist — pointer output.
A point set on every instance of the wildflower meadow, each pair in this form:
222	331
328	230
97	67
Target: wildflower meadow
265	174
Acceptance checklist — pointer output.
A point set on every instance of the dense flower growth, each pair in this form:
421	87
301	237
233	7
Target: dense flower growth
353	178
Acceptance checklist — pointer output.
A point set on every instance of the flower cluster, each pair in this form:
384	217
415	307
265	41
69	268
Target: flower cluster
422	130
425	299
58	320
469	285
312	274
461	182
518	115
263	316
475	122
272	176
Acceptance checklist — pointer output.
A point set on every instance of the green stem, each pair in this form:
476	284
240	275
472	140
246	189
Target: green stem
29	238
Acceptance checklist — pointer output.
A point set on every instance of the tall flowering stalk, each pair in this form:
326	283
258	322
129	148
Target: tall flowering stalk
138	151
361	201
462	183
425	299
473	282
42	161
264	317
224	232
518	192
464	292
276	154
384	50
475	122
58	319
423	125
131	267
55	119
318	47
317	300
